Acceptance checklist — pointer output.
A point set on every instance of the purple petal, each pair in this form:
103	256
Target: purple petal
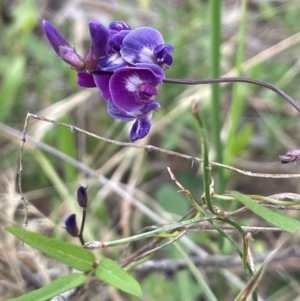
149	107
102	82
118	26
99	35
85	79
115	41
54	37
139	44
117	113
140	128
126	87
112	62
158	71
163	56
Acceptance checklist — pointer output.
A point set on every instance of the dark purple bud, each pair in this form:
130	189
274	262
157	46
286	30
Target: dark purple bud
71	226
62	47
291	156
82	196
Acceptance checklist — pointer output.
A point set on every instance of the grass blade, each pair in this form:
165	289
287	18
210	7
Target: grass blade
284	222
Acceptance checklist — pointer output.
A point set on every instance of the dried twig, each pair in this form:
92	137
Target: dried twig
155	148
172	265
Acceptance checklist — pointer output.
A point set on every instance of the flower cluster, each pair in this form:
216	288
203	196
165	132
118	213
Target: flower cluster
125	65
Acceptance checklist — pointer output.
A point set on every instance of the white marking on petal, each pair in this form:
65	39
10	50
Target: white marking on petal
146	55
115	59
133	82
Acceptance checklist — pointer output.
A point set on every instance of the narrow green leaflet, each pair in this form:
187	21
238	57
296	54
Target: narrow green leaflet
74	256
284	222
55	288
111	273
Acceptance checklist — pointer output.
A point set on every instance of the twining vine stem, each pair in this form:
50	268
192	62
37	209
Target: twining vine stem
234	80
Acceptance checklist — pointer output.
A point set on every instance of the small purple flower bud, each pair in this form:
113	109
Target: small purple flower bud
118	26
291	156
82	196
71	226
62	47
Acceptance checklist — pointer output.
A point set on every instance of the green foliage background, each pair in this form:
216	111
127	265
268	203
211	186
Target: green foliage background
33	79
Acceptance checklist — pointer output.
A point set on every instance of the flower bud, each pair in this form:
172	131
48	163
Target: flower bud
62	47
82	196
71	226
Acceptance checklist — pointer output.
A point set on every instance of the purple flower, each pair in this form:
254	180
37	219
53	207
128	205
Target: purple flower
82	196
125	65
132	88
71	226
62	47
146	45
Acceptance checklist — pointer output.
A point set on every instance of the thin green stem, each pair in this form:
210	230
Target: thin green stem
207	192
215	17
205	164
164	229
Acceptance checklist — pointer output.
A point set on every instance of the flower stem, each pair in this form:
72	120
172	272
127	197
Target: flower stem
215	41
80	235
234	80
164	229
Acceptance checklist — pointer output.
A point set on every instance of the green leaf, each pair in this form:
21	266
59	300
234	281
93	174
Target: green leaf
55	288
75	256
284	222
111	273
